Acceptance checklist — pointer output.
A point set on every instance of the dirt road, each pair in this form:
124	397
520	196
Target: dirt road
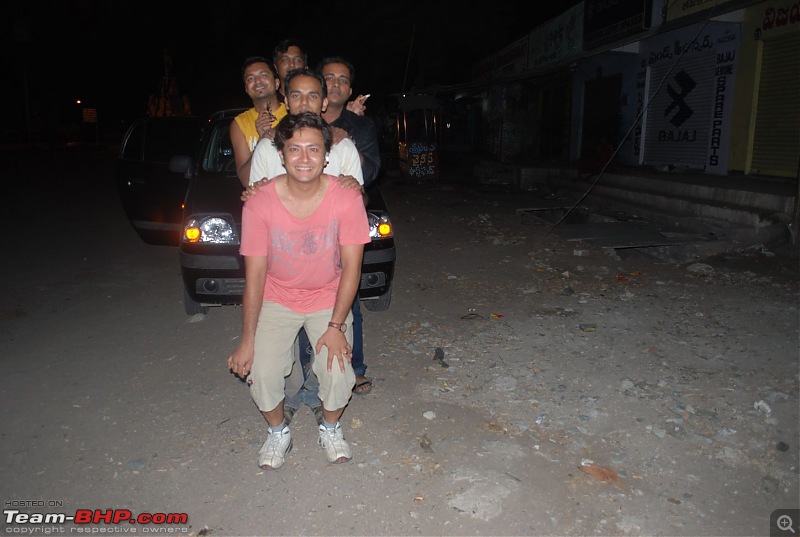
524	385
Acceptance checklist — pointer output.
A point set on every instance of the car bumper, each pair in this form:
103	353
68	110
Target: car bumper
219	279
377	272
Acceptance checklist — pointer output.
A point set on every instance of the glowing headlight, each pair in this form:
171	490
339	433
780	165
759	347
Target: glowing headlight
214	230
380	226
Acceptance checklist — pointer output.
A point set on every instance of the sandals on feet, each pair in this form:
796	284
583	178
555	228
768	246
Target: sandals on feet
363	386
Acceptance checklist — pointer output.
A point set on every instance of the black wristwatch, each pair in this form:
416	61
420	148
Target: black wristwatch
339	326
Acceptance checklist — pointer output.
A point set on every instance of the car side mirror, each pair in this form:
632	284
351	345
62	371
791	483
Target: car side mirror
180	164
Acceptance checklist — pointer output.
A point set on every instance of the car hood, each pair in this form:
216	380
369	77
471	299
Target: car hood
214	193
375	200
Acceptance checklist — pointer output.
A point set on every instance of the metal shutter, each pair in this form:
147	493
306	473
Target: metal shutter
685	144
776	139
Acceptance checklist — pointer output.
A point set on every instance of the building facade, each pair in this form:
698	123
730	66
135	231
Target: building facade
706	85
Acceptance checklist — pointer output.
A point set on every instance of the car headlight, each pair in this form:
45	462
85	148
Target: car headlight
212	229
380	225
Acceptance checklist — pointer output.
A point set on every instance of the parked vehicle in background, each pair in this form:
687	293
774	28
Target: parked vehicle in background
177	183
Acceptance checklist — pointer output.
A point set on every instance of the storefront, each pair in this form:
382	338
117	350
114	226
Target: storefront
605	103
686	97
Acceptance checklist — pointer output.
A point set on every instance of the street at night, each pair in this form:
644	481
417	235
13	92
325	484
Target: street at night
524	384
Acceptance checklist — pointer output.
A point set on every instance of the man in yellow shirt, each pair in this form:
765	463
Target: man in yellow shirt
261	84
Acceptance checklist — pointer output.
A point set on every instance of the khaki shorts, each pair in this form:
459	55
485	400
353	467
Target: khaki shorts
274	356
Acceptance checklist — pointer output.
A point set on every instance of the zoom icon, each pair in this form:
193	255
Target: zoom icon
783	522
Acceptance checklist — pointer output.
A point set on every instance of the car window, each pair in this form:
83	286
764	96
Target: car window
164	140
158	141
134	143
219	151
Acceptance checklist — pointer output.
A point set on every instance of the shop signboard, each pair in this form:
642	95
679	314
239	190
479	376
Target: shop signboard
680	8
607	21
418	137
687	96
558	39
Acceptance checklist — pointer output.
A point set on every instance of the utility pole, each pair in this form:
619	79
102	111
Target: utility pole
408	60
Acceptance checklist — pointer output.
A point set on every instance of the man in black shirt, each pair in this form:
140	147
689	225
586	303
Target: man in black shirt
338	74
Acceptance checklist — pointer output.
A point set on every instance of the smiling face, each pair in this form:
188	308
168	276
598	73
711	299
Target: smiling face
259	81
303	155
304	94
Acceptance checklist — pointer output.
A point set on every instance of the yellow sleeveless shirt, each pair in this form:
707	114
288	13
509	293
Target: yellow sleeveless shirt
247	122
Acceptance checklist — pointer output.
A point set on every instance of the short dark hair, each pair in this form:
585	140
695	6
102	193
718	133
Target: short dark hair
292	123
338	59
250	60
305	71
284	45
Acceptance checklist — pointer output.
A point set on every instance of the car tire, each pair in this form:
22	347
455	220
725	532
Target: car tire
381	303
191	306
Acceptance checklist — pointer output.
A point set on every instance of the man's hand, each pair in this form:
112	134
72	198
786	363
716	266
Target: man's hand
241	361
338	347
350	182
338	134
357	105
253	188
264	125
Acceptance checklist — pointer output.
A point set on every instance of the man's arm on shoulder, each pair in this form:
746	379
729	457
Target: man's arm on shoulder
241	153
338	134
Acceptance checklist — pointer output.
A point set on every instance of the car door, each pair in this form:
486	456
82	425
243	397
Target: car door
150	193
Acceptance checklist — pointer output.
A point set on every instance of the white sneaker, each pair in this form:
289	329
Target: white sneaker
334	444
274	450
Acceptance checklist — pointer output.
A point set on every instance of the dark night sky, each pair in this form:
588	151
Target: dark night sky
110	53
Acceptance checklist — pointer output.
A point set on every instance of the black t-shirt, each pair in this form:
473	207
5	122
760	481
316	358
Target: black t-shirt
364	133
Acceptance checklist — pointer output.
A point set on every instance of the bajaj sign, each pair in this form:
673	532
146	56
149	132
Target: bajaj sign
688	85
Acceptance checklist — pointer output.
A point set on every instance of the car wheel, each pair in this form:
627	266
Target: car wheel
192	306
381	303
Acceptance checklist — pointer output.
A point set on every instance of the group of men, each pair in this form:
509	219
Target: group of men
304	152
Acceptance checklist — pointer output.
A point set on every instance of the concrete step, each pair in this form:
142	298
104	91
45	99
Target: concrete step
695	214
724	212
768	196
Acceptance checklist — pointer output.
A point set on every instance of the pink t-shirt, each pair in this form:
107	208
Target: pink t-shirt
304	262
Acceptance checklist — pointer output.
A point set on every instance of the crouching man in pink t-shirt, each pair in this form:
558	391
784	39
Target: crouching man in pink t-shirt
303	238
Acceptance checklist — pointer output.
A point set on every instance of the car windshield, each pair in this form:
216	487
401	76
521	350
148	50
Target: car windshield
219	152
